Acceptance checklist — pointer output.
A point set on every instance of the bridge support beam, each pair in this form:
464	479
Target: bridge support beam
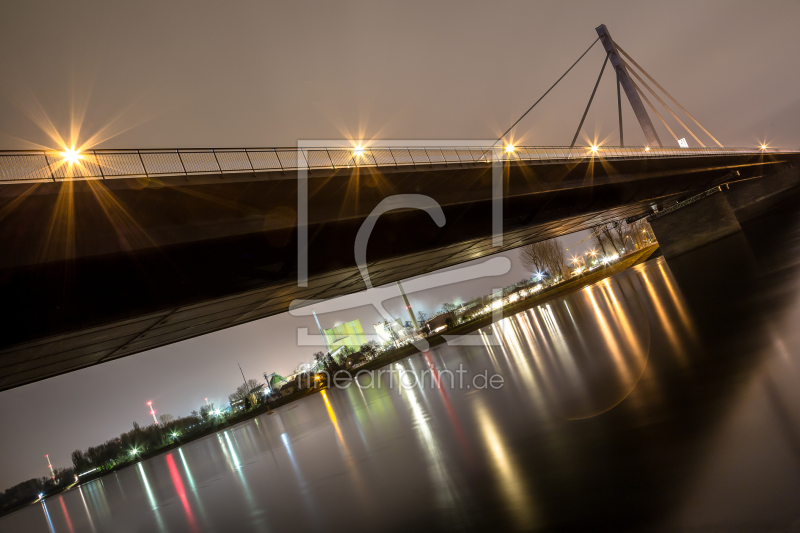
717	213
694	225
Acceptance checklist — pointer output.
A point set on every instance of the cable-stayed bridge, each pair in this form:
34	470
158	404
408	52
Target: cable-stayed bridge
107	253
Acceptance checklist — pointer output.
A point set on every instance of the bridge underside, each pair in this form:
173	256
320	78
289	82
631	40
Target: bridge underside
97	270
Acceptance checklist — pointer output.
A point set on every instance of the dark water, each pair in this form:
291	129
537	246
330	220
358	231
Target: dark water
665	398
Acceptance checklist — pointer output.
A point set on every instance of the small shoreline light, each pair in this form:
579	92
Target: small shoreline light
763	146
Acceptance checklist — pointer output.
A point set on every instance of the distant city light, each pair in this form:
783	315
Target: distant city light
358	151
71	155
763	146
594	148
646	148
509	148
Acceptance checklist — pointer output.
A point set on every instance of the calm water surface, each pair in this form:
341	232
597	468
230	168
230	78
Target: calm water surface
665	398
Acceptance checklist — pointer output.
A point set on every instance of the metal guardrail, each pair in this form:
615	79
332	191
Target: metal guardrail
27	166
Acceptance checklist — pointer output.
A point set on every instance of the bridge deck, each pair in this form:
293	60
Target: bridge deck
95	269
27	166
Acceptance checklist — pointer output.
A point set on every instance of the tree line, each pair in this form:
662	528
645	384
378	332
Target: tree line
621	237
106	456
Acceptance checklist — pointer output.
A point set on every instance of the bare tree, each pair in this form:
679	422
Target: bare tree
422	317
532	257
544	256
243	392
447	307
556	262
165	419
600	240
623	233
640	232
610	237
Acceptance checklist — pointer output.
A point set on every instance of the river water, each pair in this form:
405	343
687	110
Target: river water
665	398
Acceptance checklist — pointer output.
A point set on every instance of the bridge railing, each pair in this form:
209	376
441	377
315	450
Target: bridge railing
28	166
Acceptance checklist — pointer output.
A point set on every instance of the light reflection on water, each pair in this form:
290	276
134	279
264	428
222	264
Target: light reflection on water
613	401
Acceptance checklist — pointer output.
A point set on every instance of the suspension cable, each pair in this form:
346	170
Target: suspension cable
590	103
619	108
541	97
664	122
666	93
651	91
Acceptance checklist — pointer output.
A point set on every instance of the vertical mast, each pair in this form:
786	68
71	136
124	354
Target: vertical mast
627	85
408	308
51	467
324	338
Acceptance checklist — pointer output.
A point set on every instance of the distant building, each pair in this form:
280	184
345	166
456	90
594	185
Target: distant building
274	382
391	331
348	334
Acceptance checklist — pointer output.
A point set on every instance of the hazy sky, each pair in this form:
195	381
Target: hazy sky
216	74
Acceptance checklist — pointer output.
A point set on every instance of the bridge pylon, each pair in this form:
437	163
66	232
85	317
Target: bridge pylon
629	87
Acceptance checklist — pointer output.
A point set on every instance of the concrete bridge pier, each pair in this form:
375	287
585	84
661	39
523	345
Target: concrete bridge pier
718	212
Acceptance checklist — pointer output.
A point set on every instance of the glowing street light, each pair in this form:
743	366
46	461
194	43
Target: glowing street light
134	452
646	148
358	151
510	149
71	155
594	148
153	412
763	146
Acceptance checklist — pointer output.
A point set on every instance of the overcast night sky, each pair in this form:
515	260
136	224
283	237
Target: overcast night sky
213	74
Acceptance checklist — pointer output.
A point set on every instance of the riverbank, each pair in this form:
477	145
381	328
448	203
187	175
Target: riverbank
543	296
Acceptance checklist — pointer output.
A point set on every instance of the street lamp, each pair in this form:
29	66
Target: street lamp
71	155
